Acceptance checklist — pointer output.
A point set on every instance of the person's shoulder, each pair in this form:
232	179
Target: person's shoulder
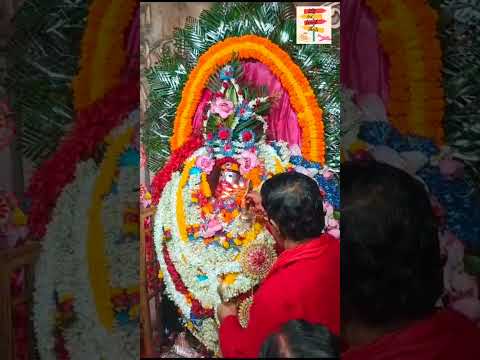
328	241
455	335
333	243
461	326
328	250
464	335
444	335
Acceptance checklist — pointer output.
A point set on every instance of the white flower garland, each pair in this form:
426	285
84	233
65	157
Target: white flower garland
63	267
269	156
124	270
50	265
193	258
123	264
80	335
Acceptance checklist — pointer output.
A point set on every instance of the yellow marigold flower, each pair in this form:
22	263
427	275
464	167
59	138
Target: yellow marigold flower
205	186
358	145
66	297
134	311
229	279
19	217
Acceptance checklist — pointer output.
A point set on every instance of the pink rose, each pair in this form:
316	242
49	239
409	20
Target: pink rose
222	107
328	209
205	163
211	228
247	162
451	168
328	175
332	223
335	233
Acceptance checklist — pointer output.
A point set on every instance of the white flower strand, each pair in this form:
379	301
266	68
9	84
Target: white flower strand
50	265
82	337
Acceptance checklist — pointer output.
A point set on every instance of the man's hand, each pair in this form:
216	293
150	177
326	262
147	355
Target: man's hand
253	202
226	309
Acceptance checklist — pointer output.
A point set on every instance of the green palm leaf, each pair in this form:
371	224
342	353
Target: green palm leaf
43	58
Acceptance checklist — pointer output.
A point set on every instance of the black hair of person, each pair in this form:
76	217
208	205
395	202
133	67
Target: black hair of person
301	339
391	268
294	202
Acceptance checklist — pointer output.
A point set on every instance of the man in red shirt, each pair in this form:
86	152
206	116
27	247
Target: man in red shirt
304	282
392	272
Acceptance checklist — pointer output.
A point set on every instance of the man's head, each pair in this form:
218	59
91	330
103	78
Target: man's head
390	265
300	339
293	201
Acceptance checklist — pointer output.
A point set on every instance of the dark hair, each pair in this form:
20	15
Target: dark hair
301	340
391	268
294	202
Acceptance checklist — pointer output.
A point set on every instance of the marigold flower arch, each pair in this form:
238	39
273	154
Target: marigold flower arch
302	97
101	102
416	97
103	54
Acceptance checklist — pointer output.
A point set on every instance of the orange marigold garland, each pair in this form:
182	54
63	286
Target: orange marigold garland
103	54
416	104
302	97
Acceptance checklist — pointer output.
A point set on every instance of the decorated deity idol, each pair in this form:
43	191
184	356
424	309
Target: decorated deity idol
228	196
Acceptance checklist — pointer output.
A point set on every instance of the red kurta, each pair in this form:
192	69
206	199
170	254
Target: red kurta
444	336
304	284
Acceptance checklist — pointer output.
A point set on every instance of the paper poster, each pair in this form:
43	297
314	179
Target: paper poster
314	25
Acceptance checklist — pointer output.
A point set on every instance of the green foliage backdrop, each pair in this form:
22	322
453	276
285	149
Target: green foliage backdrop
42	60
459	29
